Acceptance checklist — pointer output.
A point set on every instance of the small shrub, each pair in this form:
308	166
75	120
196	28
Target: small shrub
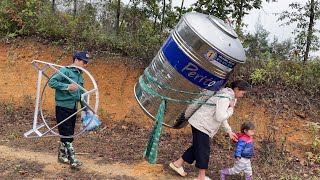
258	76
312	158
9	108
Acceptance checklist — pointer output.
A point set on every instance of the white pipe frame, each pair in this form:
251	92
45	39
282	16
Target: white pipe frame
85	99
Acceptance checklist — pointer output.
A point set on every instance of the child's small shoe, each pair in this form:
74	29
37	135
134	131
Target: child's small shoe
222	176
223	173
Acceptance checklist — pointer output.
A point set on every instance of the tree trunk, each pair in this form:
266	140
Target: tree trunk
125	13
118	18
310	29
182	2
53	6
155	23
239	19
163	13
74	8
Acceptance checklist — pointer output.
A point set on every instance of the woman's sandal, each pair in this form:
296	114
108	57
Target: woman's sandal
179	170
205	178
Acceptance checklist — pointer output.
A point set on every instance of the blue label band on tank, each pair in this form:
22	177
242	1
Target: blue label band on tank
189	69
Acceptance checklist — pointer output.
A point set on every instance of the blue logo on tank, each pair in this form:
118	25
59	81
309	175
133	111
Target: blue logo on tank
214	56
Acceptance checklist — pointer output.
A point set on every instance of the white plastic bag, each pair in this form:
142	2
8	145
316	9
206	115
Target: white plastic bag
94	124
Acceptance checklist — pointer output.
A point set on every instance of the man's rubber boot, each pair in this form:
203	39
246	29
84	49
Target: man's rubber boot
62	154
74	163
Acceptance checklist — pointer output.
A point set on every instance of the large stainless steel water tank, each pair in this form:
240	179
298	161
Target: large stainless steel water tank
199	56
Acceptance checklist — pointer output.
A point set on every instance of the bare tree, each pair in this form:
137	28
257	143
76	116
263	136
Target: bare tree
181	7
163	13
53	6
310	29
118	17
242	8
75	8
305	16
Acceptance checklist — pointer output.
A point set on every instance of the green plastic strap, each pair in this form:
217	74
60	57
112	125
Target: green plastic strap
152	146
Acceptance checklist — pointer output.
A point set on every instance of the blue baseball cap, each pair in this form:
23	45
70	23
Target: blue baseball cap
82	55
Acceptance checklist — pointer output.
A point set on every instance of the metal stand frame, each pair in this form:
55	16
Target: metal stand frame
85	98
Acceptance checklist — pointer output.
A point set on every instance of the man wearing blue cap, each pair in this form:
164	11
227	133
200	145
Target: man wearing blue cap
67	97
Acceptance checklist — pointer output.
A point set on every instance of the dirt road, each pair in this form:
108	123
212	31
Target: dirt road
51	168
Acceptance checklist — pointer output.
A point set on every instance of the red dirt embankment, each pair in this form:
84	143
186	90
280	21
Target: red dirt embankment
116	77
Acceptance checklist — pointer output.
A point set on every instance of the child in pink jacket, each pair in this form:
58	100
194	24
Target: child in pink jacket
243	153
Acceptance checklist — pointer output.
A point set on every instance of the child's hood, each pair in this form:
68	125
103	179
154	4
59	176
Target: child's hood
243	136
